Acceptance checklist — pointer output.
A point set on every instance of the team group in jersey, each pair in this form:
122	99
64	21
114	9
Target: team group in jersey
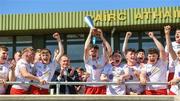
40	66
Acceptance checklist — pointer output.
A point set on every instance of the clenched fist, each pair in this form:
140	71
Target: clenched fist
167	29
128	34
56	35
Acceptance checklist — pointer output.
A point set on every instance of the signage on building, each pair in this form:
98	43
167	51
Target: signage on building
137	16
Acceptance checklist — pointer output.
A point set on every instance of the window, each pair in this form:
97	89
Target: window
23	39
23	42
51	44
78	64
75	49
10	51
132	42
8	42
51	48
147	42
19	48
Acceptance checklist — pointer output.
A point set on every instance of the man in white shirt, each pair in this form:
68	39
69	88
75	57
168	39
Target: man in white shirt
133	66
6	69
93	63
114	72
155	69
23	73
45	68
176	48
176	61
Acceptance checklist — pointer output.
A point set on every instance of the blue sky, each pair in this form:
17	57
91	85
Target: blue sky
41	6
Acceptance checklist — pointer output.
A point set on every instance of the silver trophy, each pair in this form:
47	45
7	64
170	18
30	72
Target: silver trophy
90	23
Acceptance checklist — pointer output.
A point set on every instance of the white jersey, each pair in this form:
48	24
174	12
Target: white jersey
136	88
176	48
4	72
113	73
174	88
45	72
19	78
156	73
94	68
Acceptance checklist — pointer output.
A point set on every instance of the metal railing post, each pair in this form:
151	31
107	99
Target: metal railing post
57	88
178	88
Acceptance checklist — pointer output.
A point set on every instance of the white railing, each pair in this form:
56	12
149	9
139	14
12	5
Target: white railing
91	83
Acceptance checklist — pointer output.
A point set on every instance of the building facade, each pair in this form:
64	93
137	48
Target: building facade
35	30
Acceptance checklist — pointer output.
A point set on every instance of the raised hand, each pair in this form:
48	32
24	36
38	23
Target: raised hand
100	33
128	34
56	35
151	34
93	31
167	29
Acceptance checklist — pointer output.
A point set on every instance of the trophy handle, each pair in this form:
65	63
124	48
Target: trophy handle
94	40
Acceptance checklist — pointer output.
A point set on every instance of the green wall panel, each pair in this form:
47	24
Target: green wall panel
101	18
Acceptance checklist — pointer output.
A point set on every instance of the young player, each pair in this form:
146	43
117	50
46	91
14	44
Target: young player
45	68
155	69
114	72
95	63
176	60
